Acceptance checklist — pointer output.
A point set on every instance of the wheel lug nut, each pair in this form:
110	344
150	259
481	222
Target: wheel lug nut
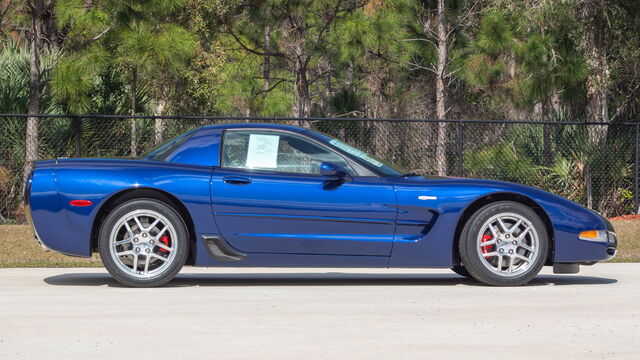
137	249
148	250
506	236
144	235
511	251
499	241
151	242
515	242
501	250
135	240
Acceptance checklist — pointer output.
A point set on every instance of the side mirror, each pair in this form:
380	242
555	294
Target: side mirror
332	170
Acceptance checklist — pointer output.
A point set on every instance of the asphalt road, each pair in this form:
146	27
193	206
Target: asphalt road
319	314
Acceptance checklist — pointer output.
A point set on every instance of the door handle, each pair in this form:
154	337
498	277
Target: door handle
236	180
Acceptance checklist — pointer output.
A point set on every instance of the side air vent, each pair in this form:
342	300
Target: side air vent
220	250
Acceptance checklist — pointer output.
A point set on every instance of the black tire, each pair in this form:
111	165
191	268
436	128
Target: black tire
476	264
461	270
180	243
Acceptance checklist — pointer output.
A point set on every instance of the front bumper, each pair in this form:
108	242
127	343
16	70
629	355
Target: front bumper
612	246
611	249
607	238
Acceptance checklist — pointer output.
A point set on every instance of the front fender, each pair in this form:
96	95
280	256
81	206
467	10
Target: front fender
445	201
569	220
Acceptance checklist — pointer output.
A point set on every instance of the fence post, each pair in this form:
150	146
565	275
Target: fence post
636	170
77	128
460	146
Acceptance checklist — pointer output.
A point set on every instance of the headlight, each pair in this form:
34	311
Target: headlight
604	236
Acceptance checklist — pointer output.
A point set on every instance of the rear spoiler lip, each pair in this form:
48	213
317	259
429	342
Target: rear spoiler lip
44	163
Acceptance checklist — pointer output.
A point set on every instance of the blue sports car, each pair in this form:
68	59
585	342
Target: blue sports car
275	195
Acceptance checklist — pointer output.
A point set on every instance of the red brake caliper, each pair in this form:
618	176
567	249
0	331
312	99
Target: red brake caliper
165	240
485	238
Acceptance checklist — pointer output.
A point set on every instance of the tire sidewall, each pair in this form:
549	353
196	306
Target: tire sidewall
468	242
182	237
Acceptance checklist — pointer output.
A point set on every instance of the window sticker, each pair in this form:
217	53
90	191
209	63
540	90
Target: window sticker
263	151
353	151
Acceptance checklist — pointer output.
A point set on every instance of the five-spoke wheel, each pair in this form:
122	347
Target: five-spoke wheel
143	243
508	244
504	243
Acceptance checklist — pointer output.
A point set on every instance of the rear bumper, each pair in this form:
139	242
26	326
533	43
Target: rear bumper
27	209
35	235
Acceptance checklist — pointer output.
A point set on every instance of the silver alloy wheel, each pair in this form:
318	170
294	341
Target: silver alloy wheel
508	244
143	243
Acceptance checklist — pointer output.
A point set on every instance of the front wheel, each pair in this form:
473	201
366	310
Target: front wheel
504	244
143	243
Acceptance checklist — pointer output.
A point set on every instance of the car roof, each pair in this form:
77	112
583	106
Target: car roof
258	126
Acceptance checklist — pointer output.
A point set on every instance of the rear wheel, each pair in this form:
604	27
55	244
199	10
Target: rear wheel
504	244
143	243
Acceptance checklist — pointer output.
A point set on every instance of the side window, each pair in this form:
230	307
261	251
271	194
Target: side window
275	151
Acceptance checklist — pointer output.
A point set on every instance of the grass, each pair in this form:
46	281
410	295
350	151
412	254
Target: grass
18	248
628	232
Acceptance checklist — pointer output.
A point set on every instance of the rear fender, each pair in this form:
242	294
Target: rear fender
67	228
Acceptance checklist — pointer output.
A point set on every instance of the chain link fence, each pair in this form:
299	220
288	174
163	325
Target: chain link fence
594	165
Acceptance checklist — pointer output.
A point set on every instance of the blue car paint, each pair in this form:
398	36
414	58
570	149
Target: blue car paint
304	214
453	196
200	149
67	229
406	222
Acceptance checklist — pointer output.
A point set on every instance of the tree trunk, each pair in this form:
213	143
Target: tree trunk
302	107
134	135
512	110
159	123
293	42
376	108
441	110
327	93
348	77
266	71
598	78
37	9
547	156
325	100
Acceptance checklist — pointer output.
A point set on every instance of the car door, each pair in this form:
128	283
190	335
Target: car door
268	196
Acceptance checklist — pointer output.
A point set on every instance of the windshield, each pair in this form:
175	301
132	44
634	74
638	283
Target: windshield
372	161
161	152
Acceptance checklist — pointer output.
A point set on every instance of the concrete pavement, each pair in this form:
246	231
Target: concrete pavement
320	314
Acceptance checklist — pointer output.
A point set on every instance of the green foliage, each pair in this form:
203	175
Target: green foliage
14	79
496	35
14	72
75	76
506	59
599	174
523	55
503	161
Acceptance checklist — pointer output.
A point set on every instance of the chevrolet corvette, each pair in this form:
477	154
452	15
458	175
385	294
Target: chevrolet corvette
283	196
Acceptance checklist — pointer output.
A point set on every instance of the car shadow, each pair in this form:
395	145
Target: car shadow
318	279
